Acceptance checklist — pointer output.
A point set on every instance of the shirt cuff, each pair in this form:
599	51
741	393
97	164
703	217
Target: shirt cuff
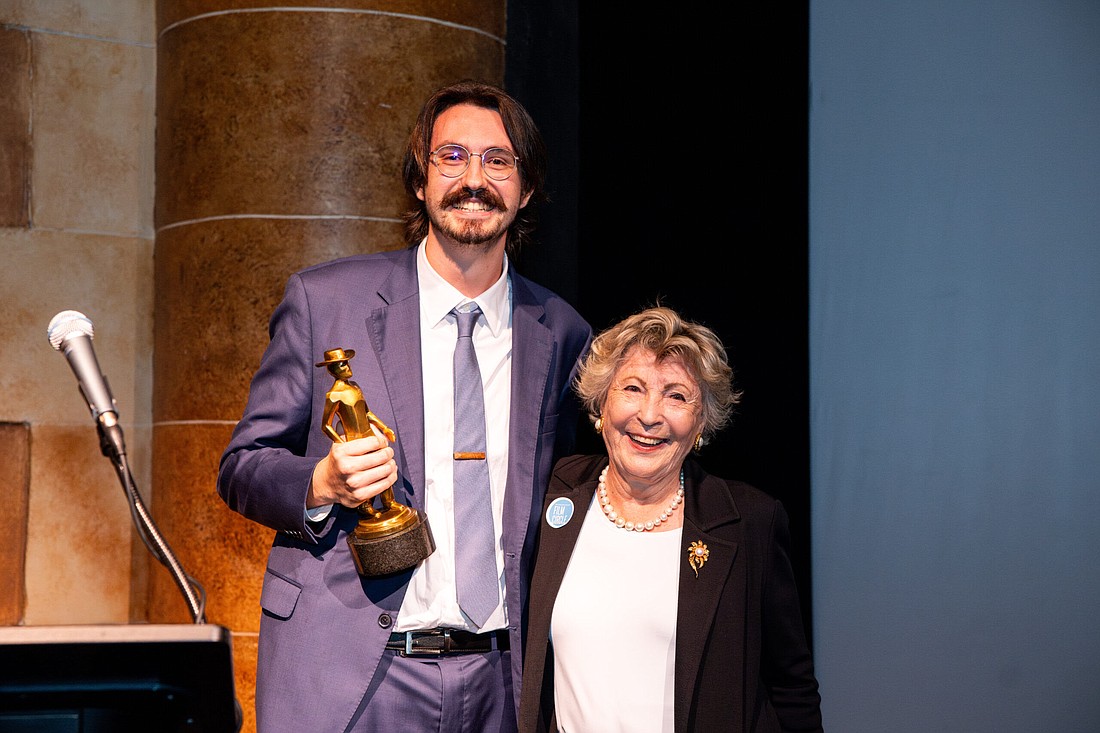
318	513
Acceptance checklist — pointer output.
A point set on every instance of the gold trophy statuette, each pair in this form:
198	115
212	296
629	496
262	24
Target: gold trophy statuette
387	539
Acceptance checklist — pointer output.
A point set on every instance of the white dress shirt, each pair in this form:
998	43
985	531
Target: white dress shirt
431	599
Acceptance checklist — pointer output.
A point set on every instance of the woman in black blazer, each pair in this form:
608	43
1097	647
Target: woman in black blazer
663	598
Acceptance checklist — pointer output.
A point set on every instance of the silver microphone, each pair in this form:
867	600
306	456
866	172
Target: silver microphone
70	332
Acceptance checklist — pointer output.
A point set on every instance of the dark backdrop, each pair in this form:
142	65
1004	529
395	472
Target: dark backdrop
678	146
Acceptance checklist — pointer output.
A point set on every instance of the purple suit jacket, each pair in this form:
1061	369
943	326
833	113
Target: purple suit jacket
742	661
324	627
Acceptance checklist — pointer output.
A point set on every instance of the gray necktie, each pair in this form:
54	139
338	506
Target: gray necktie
475	541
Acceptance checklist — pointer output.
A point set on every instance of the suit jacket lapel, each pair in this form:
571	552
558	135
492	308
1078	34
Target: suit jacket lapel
532	349
394	329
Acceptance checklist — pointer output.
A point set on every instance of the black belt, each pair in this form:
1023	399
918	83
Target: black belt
435	642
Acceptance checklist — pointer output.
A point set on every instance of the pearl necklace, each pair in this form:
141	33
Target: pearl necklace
622	523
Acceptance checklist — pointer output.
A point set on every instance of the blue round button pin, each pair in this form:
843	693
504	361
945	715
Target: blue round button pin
559	512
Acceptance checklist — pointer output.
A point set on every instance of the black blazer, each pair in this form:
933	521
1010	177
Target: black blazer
742	660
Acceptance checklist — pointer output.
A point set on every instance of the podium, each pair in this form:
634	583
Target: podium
121	678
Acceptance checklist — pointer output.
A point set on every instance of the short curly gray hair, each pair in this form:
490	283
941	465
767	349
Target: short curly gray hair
663	332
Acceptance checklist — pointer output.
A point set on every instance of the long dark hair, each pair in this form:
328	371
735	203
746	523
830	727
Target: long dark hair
526	141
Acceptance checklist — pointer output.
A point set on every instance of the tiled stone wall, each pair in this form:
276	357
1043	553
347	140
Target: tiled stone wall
76	216
15	445
15	116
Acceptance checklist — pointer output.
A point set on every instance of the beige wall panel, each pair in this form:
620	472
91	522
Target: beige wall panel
110	280
15	458
245	653
217	285
92	135
15	110
78	531
299	113
129	20
218	547
485	17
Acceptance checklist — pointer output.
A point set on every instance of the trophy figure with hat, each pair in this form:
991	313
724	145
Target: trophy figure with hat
392	537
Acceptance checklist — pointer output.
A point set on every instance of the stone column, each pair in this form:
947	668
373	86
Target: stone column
280	132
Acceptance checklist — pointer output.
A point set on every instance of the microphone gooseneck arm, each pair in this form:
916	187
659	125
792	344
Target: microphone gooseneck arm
151	537
70	332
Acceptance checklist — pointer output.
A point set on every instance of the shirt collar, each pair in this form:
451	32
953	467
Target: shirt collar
438	297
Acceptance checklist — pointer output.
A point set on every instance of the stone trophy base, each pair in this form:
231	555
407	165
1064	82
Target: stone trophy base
392	552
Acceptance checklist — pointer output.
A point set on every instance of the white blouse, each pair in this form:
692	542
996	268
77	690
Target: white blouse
614	630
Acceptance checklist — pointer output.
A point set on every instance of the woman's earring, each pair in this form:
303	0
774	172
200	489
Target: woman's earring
698	442
599	425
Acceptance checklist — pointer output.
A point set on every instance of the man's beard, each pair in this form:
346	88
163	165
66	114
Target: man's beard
470	232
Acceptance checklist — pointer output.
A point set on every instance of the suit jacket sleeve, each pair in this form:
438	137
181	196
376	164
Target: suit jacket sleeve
266	469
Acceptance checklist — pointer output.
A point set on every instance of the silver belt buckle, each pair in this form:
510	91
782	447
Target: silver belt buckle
409	651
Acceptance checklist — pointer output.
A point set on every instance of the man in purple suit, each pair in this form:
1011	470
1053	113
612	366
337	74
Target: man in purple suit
341	651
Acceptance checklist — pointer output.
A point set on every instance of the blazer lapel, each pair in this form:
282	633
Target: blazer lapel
567	497
706	511
532	349
574	484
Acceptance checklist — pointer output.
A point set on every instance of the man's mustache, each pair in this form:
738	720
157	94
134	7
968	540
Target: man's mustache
484	195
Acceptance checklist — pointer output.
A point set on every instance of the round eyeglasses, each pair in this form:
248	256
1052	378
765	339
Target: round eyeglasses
452	161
